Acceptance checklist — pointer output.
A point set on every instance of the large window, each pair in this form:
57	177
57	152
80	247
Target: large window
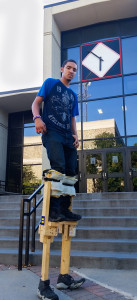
24	166
107	106
129	53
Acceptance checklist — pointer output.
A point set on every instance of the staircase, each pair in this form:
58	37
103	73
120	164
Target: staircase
106	236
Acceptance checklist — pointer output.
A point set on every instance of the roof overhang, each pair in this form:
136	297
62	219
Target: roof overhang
83	13
16	101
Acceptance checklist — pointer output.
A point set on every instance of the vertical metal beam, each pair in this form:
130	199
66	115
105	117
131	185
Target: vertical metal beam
27	234
33	225
21	235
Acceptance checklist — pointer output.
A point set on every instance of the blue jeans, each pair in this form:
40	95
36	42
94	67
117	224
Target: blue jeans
63	158
61	152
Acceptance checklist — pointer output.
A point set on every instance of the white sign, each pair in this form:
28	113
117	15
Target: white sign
93	160
115	159
101	59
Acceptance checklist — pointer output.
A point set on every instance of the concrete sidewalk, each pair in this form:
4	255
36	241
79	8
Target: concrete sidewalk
23	284
121	281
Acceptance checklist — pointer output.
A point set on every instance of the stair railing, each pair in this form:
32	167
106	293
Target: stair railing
32	205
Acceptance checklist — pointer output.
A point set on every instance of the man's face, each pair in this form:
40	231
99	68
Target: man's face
69	71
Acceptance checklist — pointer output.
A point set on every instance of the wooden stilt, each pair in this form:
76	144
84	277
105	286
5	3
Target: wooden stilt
45	259
65	253
48	230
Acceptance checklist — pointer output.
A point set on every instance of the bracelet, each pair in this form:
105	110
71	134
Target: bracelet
36	117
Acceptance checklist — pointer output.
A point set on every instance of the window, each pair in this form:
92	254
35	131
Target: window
131	115
103	117
102	88
130	84
74	53
129	54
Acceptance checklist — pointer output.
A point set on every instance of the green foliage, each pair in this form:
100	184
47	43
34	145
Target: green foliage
30	182
107	140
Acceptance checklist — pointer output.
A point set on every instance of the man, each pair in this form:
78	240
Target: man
59	137
59	133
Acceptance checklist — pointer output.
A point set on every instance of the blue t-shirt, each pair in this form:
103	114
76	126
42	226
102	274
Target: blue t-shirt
60	104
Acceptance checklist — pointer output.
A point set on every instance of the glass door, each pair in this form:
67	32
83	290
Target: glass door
94	164
132	168
115	170
105	170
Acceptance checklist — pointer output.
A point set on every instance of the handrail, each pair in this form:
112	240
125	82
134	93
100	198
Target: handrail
27	213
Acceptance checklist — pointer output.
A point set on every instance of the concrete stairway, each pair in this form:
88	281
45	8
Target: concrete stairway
106	236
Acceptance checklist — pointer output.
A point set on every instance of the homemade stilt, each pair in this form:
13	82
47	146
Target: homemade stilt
47	229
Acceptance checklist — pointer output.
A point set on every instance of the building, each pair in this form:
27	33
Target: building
101	35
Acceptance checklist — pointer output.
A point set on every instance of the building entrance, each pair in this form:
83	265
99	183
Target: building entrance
108	170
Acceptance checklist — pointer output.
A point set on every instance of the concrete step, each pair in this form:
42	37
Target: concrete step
108	221
116	245
86	259
105	203
107	211
85	221
82	204
85	232
107	195
101	211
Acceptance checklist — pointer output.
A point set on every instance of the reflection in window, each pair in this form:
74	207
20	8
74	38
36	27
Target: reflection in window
129	53
116	184
76	89
94	185
108	142
102	88
32	155
31	178
30	131
132	141
130	84
131	115
103	116
74	53
78	120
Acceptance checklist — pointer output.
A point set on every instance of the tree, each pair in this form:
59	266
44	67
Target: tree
30	181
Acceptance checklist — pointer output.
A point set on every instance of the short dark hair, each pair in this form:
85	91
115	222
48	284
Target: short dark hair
68	60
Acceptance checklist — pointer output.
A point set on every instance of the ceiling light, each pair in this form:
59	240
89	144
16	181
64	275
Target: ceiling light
100	111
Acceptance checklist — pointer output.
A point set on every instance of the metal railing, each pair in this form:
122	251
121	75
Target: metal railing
27	212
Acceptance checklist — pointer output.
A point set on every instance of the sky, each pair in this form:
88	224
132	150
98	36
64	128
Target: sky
21	40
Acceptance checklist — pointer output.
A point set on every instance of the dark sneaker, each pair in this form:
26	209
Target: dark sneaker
45	292
70	216
67	282
56	217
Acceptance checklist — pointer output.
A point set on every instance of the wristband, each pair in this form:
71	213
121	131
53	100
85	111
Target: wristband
36	117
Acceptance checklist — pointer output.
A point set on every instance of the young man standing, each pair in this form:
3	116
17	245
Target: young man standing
59	137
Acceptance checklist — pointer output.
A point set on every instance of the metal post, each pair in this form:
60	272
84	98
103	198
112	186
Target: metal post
21	235
33	225
27	234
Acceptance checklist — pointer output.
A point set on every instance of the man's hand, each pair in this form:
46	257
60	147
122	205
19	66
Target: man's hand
40	126
76	142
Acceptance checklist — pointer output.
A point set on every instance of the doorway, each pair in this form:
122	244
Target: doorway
108	170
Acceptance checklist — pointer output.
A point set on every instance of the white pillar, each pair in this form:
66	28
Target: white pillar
51	58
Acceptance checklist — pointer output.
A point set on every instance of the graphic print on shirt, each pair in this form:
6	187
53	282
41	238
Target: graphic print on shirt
59	107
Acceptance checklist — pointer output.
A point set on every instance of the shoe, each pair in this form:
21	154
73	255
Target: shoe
67	282
45	292
70	216
56	217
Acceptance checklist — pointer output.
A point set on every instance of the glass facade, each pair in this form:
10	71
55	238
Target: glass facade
24	165
107	118
108	105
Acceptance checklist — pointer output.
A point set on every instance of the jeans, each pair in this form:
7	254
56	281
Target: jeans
63	158
61	152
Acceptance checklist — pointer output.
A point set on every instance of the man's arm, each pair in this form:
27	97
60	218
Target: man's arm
74	130
39	124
